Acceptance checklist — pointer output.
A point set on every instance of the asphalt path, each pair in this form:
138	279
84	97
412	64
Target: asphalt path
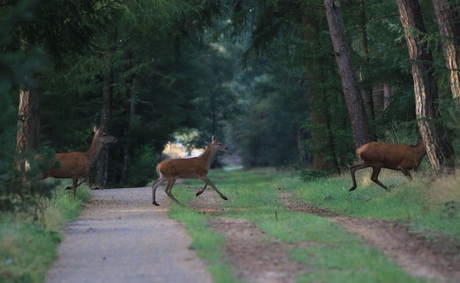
121	237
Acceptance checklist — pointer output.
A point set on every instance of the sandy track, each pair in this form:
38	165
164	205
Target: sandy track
121	237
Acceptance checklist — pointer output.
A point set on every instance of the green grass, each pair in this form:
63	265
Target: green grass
27	247
332	254
207	245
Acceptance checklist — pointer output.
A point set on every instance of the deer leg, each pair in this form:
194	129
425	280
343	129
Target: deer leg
85	179
74	186
208	182
155	185
169	189
78	184
202	190
405	172
353	169
375	177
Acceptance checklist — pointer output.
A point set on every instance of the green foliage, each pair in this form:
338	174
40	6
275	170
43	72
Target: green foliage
142	170
310	175
28	247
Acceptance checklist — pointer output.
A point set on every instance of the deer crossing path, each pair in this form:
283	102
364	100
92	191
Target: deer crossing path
121	237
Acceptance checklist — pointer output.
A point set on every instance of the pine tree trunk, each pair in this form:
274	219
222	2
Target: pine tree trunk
350	86
107	101
367	90
321	134
377	98
438	147
130	98
387	94
28	135
450	31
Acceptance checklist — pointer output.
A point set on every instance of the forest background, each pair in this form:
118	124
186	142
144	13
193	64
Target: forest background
263	76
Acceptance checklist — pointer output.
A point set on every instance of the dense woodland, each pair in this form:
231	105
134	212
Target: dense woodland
282	83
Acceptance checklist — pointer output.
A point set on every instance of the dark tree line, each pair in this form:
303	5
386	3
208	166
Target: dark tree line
281	82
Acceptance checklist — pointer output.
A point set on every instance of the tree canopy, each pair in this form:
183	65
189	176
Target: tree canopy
261	75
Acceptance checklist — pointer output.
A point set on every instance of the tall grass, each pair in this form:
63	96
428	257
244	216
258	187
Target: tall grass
433	207
29	246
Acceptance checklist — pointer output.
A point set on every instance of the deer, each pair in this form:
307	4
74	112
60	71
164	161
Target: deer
76	164
377	155
188	168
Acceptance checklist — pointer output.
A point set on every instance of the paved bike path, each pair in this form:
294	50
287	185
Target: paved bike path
121	237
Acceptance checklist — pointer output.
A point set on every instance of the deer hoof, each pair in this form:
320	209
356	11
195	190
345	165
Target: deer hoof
155	203
224	197
352	189
198	193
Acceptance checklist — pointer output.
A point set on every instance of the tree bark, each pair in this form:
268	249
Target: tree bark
129	113
107	101
367	90
28	135
438	147
324	153
450	32
350	86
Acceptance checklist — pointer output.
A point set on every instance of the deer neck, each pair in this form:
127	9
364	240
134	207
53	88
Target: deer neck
421	147
421	150
94	150
208	155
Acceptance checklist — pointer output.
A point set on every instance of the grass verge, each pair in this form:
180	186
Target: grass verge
28	247
332	254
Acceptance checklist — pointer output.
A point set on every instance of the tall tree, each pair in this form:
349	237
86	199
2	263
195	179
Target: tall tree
57	28
107	103
449	27
350	86
437	144
28	135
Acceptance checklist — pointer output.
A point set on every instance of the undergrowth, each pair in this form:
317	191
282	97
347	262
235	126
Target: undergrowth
28	246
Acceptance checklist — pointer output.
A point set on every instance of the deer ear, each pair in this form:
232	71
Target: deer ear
213	139
95	129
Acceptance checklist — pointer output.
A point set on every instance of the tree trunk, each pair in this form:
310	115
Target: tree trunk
130	98
387	94
449	29
367	90
377	98
321	133
350	87
28	135
107	101
438	147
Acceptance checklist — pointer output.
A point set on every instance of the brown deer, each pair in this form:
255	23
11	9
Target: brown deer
390	156
76	164
188	168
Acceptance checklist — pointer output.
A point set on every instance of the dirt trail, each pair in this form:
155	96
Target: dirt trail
256	257
436	260
121	237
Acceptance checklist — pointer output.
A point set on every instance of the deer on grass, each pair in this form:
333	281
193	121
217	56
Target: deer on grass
390	156
76	164
188	168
